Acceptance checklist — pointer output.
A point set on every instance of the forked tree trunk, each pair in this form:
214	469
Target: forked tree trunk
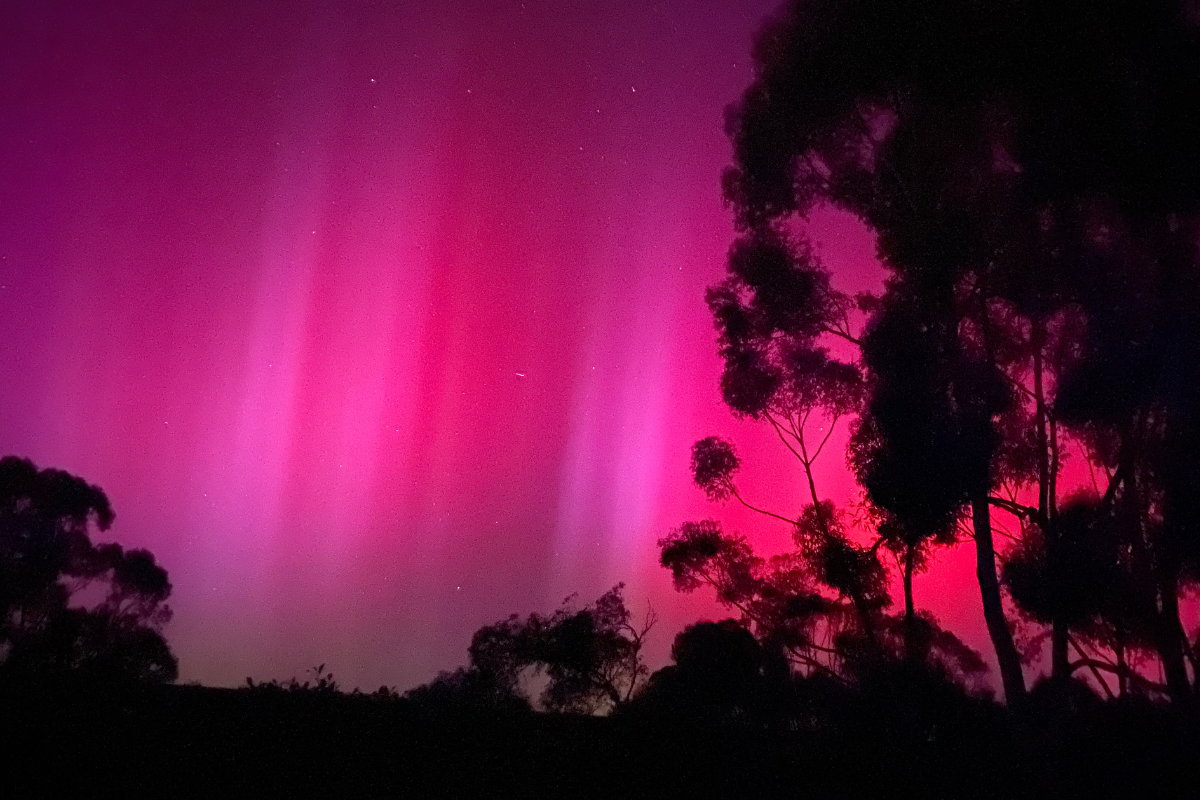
993	608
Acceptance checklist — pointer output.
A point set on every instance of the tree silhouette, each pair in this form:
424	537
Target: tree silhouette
591	659
827	598
922	448
788	604
721	675
775	314
467	690
1095	583
47	560
1031	173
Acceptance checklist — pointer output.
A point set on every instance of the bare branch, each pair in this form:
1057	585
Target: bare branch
842	335
832	423
782	438
763	511
1145	683
1092	666
1014	508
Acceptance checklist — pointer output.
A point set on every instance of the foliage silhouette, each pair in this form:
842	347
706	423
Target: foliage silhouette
322	683
467	690
721	676
781	602
591	659
1031	175
898	732
48	560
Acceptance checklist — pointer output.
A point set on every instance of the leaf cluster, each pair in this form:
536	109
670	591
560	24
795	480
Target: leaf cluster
770	313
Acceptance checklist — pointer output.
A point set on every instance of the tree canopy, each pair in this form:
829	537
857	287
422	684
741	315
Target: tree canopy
70	607
1031	173
590	659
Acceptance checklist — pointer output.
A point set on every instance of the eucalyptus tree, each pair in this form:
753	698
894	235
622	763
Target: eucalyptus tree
70	607
779	321
1032	175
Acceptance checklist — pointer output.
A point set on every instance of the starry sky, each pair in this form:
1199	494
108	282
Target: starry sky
380	321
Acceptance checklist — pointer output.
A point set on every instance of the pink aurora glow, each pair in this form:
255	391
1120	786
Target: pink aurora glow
380	324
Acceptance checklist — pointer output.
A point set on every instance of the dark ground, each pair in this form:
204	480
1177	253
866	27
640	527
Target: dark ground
181	741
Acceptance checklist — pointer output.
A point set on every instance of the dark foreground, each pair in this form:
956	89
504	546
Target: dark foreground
179	741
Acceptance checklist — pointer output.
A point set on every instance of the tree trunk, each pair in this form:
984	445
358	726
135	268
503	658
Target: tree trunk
910	610
1039	395
993	608
1122	667
1060	661
1169	643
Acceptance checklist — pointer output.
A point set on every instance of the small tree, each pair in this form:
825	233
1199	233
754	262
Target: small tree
590	657
47	560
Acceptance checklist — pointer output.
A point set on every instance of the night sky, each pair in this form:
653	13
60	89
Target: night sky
378	322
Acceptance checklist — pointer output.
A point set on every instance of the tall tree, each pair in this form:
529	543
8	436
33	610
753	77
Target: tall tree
793	352
776	314
1031	172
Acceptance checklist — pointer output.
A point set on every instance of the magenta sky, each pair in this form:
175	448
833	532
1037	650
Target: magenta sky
381	321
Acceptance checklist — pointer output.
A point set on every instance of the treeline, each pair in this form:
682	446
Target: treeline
91	707
725	730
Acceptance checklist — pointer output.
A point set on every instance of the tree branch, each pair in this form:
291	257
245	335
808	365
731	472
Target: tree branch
841	334
832	423
1090	665
779	430
763	511
1014	508
1129	674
